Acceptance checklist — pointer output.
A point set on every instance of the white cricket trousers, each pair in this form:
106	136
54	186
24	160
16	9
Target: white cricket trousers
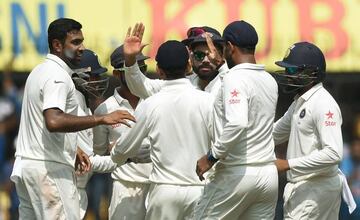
316	198
172	202
240	192
128	200
47	190
81	182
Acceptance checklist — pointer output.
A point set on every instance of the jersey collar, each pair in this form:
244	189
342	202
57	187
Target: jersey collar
60	62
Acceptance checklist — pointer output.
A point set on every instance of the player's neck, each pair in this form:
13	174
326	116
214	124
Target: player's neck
125	93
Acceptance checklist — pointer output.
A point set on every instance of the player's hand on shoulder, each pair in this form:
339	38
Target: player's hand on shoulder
118	116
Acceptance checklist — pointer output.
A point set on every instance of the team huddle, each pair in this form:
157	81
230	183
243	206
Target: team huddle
198	143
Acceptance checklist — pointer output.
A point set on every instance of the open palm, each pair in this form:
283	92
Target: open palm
133	40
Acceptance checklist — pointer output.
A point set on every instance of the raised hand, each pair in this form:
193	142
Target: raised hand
214	56
133	43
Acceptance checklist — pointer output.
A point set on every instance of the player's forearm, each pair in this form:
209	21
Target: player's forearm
229	137
316	162
102	164
139	84
62	122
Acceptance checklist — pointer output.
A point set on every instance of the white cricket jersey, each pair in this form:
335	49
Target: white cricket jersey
105	135
85	137
178	121
249	100
312	125
144	87
49	85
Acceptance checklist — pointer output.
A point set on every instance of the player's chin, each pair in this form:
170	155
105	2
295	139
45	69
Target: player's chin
206	74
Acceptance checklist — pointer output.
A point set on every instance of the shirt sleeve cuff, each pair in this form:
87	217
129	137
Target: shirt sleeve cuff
292	163
215	153
132	69
117	158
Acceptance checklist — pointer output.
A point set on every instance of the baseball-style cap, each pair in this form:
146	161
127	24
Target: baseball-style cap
90	63
172	55
241	34
197	34
303	53
117	57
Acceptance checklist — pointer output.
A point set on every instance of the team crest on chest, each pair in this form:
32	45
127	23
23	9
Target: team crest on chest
302	113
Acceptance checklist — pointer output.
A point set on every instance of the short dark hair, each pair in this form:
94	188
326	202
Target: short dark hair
59	28
246	50
175	73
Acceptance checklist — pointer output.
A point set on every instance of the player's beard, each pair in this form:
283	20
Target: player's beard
229	61
205	76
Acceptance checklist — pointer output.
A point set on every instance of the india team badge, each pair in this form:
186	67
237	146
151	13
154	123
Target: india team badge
302	113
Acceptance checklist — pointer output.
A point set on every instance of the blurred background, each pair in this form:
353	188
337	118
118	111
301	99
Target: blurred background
330	24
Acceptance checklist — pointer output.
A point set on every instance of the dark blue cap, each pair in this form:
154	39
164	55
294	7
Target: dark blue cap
117	58
91	59
241	34
172	55
303	54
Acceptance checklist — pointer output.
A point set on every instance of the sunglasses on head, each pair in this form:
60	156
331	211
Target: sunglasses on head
195	31
199	55
143	68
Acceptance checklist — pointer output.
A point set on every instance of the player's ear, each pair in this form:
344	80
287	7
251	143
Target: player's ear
230	47
188	69
57	46
160	72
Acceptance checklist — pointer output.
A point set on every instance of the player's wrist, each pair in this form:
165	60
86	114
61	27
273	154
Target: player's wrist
211	158
130	60
98	120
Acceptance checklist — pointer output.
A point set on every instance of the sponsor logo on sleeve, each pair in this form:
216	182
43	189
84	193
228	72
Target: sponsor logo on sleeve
329	119
115	125
234	97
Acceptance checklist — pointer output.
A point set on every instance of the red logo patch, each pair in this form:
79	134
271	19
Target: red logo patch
234	93
329	115
233	100
115	125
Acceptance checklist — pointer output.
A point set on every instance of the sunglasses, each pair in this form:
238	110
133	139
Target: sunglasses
143	68
199	55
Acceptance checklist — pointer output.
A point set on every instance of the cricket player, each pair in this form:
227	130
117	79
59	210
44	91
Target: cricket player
312	127
46	148
89	84
131	180
178	122
245	181
207	63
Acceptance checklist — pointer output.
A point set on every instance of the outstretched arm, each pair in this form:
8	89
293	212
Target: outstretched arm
137	82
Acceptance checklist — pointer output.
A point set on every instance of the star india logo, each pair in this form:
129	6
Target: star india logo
234	97
329	119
